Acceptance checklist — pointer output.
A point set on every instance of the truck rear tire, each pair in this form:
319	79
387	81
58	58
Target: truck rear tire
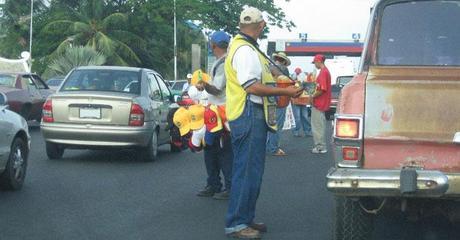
351	221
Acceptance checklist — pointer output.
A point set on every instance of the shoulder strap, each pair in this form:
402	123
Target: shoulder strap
214	70
265	56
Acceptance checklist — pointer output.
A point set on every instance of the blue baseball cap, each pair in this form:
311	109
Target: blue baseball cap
220	37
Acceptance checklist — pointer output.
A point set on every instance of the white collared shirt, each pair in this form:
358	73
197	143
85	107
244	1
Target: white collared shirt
219	81
248	69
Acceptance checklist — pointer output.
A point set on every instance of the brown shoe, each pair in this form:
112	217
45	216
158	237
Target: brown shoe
261	227
279	153
247	233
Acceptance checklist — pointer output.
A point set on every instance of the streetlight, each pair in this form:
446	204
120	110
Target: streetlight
175	43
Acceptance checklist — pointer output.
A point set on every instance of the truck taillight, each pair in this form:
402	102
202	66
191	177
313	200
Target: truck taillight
48	111
347	128
136	116
350	153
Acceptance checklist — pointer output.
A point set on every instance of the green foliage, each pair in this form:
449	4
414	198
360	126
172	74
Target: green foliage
128	32
74	57
14	27
93	24
224	14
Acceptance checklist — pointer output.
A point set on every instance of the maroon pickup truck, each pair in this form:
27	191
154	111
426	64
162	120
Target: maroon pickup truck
26	93
397	128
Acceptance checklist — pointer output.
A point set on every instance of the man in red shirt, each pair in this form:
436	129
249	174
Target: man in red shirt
321	104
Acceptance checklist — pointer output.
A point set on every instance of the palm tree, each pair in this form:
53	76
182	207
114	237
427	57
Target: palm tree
74	57
93	25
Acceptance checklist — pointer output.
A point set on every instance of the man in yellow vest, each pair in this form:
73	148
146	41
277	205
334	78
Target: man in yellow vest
251	111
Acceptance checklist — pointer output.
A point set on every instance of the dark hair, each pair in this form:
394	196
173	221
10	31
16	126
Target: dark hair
222	44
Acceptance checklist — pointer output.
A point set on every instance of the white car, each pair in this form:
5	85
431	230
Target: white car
14	147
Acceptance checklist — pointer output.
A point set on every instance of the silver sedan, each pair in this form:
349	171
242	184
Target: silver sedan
14	147
103	107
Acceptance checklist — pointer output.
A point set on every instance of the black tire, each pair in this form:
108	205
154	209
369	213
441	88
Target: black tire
330	115
54	150
149	153
351	221
13	176
174	148
25	111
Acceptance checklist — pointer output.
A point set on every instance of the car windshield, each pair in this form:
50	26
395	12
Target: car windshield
105	80
7	80
344	80
421	33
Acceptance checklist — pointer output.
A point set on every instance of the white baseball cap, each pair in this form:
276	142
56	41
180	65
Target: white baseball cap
189	76
251	15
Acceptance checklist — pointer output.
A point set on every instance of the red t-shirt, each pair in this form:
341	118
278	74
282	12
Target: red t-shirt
323	102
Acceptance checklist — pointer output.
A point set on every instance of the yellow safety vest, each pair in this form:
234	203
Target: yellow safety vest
235	93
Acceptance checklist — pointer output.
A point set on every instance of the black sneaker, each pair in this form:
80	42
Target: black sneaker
224	195
206	192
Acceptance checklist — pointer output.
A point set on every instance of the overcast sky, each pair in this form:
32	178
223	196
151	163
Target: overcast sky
324	19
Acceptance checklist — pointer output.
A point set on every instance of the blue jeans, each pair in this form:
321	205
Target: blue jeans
248	132
302	120
274	137
219	158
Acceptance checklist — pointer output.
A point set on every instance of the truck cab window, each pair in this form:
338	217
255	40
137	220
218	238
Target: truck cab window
421	33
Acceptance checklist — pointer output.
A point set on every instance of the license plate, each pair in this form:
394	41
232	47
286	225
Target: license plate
94	113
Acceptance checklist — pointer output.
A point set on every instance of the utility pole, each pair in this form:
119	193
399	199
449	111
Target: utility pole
31	30
175	43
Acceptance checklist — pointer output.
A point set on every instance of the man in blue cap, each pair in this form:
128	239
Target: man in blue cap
218	153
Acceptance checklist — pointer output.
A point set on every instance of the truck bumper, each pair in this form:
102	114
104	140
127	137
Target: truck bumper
387	183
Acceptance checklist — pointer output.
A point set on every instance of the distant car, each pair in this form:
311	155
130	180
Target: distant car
14	147
101	107
176	86
336	89
55	82
26	93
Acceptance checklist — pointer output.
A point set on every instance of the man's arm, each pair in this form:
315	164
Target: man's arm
317	93
321	88
211	89
261	90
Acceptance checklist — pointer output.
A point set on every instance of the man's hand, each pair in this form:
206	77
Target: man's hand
310	99
293	91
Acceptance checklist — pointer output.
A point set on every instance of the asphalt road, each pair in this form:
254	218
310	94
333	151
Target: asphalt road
109	195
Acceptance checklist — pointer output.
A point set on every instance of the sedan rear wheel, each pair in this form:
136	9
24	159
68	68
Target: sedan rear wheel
149	153
15	172
54	151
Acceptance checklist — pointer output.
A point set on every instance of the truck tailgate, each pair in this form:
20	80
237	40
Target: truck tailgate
411	117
